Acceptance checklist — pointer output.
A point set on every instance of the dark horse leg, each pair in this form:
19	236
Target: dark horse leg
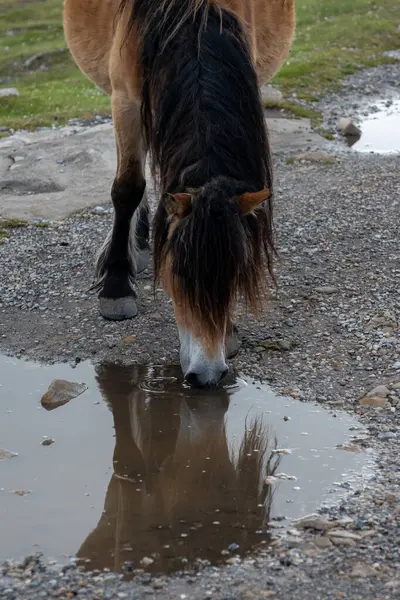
125	251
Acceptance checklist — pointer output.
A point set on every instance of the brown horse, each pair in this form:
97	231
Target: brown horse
183	77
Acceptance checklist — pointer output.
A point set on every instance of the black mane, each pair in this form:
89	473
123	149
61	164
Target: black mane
203	120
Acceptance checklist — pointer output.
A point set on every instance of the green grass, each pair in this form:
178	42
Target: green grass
334	38
12	223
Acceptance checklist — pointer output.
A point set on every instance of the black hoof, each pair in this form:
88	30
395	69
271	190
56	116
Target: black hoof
118	309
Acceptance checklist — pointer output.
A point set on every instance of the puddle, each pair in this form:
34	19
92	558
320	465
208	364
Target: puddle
380	130
143	467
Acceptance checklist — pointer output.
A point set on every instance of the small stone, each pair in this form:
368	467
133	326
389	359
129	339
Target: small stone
381	391
146	561
361	571
233	547
47	442
322	542
270	480
61	392
374	401
270	96
8	92
326	289
344	534
130	339
347	127
348	447
343	542
6	454
314	522
235	560
21	492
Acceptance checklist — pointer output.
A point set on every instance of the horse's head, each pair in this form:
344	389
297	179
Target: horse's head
212	244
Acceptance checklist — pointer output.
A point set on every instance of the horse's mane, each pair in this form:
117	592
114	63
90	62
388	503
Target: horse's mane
203	121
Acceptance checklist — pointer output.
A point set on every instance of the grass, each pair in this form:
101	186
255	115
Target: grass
12	223
334	38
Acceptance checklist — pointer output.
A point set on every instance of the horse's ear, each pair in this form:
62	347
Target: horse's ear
178	204
249	201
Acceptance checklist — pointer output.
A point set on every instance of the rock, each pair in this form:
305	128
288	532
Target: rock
344	535
270	480
6	454
146	561
343	542
8	92
235	560
326	289
61	392
361	571
393	53
374	401
348	447
381	391
315	522
21	492
347	127
47	442
285	477
270	96
317	157
278	345
322	542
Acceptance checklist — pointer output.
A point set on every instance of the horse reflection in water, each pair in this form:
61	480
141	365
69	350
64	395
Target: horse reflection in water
179	489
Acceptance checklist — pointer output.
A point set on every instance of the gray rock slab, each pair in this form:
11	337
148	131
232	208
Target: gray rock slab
52	173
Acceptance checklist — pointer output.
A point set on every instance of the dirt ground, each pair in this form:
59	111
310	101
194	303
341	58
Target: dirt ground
331	332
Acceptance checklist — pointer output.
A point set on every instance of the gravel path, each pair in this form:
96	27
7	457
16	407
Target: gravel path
331	334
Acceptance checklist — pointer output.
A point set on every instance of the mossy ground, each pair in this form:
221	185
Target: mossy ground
334	38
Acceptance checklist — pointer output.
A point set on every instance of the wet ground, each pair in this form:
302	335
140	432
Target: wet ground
380	130
140	470
330	334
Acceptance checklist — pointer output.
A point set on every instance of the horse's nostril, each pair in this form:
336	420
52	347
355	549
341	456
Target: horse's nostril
193	379
224	374
196	380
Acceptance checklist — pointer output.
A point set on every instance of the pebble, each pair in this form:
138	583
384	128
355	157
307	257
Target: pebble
314	522
270	96
375	402
47	442
8	92
347	127
6	454
61	392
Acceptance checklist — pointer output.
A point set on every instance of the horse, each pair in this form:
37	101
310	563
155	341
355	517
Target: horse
180	489
184	77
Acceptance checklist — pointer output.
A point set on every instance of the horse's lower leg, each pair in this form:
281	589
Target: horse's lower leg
126	246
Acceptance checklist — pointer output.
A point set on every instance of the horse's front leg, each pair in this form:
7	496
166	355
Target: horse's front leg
125	250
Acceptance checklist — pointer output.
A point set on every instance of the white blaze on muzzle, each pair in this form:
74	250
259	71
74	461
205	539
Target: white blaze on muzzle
199	368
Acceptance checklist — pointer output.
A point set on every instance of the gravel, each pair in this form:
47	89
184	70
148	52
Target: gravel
330	334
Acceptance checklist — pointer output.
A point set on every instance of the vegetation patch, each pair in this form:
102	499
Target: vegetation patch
334	38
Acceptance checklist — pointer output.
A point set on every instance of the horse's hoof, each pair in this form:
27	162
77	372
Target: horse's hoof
142	260
118	309
232	343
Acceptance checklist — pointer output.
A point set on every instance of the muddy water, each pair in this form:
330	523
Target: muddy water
142	467
380	131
